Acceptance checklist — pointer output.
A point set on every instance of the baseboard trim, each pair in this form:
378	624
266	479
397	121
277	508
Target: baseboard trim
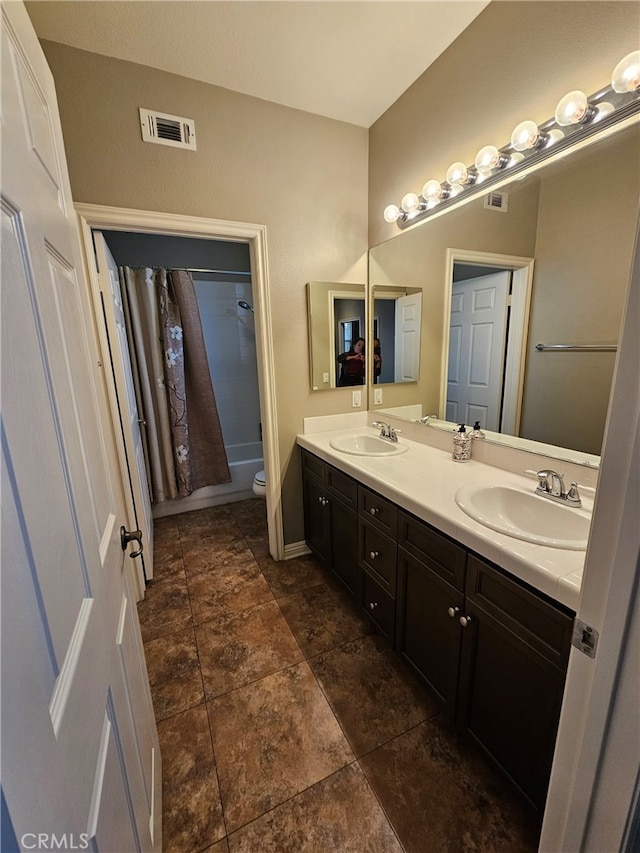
295	549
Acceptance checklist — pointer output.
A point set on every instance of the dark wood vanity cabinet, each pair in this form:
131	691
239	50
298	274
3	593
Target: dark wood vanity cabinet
330	519
513	665
491	648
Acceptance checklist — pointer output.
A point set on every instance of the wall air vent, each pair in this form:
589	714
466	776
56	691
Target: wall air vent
167	130
497	201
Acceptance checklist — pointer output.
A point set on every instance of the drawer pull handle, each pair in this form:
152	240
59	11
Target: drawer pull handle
373	605
465	621
374	510
453	611
374	554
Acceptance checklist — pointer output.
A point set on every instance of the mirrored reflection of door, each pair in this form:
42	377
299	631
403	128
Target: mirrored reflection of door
476	349
407	338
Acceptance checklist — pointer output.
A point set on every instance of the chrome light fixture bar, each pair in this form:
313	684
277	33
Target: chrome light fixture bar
577	117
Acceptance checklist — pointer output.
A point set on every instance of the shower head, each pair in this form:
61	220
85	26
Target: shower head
245	305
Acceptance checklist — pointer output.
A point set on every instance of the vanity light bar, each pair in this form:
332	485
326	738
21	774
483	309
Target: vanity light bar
576	117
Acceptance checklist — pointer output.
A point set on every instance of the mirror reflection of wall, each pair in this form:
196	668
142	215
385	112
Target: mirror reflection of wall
577	219
336	318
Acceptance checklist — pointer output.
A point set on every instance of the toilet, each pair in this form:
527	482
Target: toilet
260	485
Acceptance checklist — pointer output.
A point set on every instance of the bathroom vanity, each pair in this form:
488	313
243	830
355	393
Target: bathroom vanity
461	606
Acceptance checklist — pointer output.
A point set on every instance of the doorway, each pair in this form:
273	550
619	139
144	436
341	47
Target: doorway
487	298
97	217
221	272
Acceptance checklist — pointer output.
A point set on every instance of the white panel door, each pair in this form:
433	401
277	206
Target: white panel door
407	338
476	349
133	462
80	758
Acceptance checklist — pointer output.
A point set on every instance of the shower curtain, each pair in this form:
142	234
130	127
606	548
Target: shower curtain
184	444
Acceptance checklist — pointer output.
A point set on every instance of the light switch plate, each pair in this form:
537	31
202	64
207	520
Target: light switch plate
377	396
356	399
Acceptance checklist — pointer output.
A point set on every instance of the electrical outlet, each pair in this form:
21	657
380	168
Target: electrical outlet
325	377
377	396
356	399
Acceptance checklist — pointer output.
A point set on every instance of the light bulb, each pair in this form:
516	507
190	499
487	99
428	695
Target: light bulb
574	108
458	175
391	213
527	135
626	74
410	202
489	158
433	191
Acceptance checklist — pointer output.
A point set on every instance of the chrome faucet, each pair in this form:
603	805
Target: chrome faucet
551	485
425	420
386	431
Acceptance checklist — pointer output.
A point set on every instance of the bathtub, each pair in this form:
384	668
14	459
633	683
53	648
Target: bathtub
245	460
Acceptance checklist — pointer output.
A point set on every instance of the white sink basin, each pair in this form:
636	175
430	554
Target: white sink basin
525	515
367	445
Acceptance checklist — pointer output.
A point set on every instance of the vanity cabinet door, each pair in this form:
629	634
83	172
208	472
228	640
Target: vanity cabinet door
317	531
429	632
513	667
344	545
330	519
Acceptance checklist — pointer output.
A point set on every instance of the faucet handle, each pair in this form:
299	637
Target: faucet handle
573	496
544	480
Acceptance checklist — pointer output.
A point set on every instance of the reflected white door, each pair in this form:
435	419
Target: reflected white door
124	399
80	759
407	338
476	349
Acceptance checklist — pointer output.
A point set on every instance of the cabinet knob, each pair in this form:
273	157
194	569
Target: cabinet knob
465	621
374	510
373	554
320	500
452	611
373	605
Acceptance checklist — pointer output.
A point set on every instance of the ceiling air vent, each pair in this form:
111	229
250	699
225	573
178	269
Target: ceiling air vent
168	130
497	201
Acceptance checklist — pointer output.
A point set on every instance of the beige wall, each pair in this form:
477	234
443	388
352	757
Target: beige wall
301	175
514	62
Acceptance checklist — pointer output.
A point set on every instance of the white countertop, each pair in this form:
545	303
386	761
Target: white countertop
424	481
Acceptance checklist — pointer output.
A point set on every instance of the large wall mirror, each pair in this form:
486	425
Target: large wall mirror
337	331
522	301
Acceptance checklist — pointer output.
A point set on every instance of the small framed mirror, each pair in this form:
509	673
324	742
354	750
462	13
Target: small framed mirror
337	326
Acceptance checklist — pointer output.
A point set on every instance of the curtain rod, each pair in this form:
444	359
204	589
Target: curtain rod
193	269
212	272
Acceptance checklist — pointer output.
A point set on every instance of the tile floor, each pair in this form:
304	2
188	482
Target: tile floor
285	724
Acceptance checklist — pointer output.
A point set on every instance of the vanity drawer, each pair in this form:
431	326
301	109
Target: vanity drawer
441	554
379	511
341	486
378	554
312	465
545	626
379	606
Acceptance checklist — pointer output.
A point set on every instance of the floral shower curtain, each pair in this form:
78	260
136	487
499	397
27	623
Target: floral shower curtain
184	444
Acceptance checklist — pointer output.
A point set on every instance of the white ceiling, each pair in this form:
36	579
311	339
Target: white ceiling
338	58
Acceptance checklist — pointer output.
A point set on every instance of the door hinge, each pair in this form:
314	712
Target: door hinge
585	638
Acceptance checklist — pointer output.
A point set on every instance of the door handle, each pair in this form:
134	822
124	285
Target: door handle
127	536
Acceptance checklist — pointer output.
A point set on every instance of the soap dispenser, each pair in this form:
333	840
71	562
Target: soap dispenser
477	432
461	445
